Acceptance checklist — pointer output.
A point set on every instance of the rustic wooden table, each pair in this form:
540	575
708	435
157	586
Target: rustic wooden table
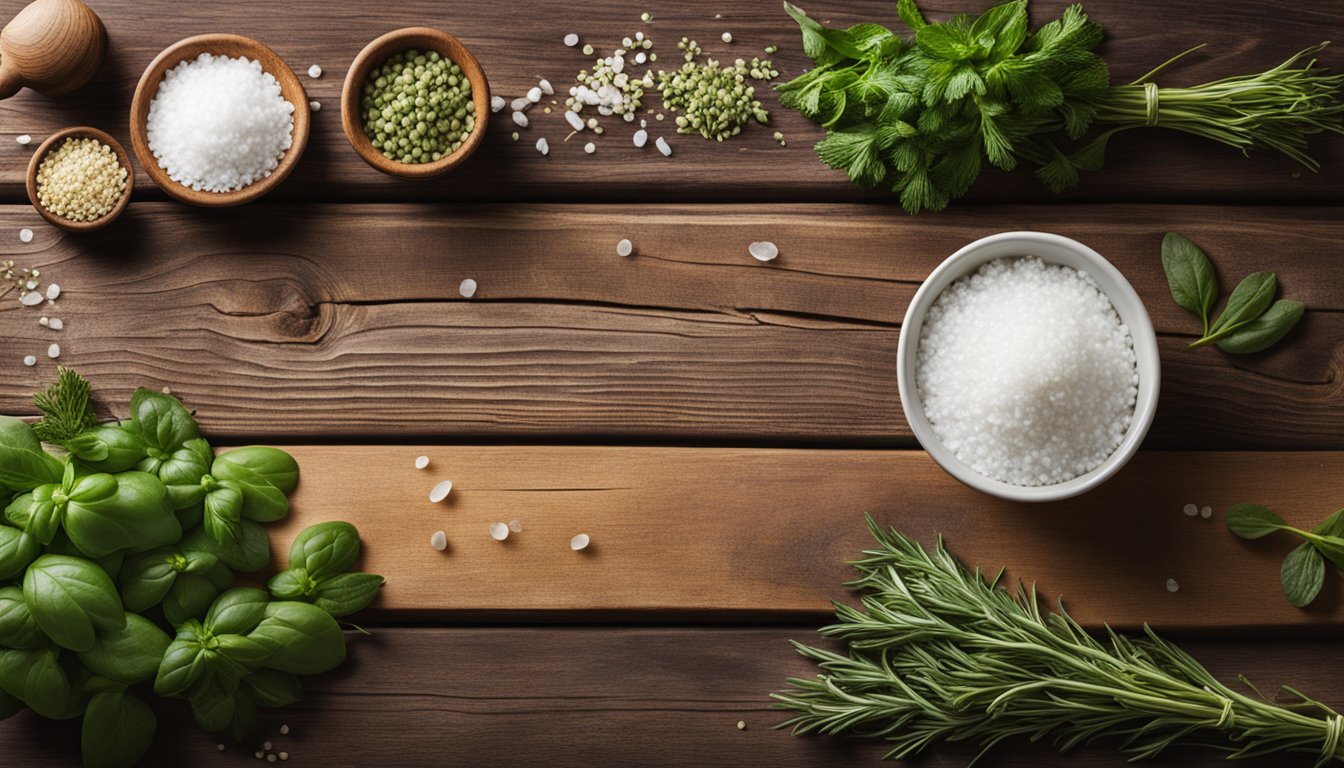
717	425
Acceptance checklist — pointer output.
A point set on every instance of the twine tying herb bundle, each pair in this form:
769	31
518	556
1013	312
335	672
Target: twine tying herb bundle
937	652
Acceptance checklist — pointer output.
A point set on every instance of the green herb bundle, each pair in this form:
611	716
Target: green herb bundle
937	652
132	535
924	115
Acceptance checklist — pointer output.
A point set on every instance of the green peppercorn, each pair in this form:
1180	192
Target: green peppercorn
406	99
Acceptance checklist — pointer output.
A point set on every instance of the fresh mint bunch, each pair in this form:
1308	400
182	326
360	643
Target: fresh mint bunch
924	115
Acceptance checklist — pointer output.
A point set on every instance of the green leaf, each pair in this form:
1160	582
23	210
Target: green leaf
264	475
1008	24
223	514
183	473
182	663
252	553
18	629
1190	276
127	511
212	704
70	598
129	655
1330	546
10	705
1302	574
37	677
192	594
1330	526
108	448
163	422
1248	301
1266	330
814	44
303	638
243	650
118	729
939	41
23	469
146	578
1252	521
347	593
244	722
17	550
325	549
909	13
271	688
293	584
16	433
237	611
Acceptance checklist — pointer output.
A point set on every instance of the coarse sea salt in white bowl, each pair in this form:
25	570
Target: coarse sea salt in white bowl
1053	250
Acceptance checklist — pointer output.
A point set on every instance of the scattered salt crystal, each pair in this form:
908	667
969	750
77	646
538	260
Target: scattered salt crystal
421	462
30	285
624	248
644	124
438	541
543	147
520	119
516	526
1206	512
26	235
1026	371
1172	586
1190	510
546	87
499	531
54	351
534	94
440	491
266	745
592	122
571	40
741	725
726	37
574	120
56	324
284	730
31	299
590	147
314	72
641	137
316	106
579	542
763	250
219	747
53	291
646	17
468	287
663	147
24	139
260	755
641	57
30	360
284	756
44	321
497	103
520	104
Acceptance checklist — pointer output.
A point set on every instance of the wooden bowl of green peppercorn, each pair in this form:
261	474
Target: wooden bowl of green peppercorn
415	103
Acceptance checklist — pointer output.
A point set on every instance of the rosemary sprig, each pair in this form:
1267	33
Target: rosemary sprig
937	652
66	406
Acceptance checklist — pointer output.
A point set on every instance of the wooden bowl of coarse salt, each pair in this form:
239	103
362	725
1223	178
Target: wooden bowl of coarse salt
476	106
80	179
219	120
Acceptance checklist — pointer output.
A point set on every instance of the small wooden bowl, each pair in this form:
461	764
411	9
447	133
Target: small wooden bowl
219	45
54	141
378	51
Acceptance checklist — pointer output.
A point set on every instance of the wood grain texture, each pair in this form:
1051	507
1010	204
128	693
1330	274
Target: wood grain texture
302	322
607	697
517	45
717	534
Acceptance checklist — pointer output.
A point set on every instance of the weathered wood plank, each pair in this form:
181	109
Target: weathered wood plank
296	322
613	696
517	45
716	534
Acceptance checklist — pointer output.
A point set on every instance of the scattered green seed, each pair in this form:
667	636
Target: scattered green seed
646	17
417	107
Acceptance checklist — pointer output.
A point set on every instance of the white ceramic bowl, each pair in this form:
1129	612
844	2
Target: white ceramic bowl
1052	249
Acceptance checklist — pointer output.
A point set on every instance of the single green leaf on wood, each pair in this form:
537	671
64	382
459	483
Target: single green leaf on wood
1266	330
1252	521
1190	276
1330	546
118	729
1249	300
909	13
1302	574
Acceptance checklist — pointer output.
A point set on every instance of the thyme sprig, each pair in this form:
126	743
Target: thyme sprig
937	652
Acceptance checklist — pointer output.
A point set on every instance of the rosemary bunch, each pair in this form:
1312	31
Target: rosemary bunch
941	653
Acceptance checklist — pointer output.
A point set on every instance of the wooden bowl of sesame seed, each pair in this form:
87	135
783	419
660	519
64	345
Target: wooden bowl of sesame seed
55	141
374	55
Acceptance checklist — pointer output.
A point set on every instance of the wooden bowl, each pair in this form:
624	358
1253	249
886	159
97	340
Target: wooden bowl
54	141
219	45
378	51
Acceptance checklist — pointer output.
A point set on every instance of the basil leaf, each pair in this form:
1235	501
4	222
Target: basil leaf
241	649
223	511
134	516
146	579
244	721
271	688
118	729
1249	300
347	593
1330	546
182	664
17	550
251	554
18	629
237	611
302	638
190	516
270	464
36	513
1252	521
1302	574
17	433
129	655
325	549
10	705
293	584
212	704
36	677
1332	525
23	469
183	470
251	472
1190	276
70	598
192	594
163	422
108	448
1266	330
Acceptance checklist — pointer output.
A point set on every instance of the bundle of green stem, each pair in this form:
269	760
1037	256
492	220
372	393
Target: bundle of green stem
937	652
923	115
